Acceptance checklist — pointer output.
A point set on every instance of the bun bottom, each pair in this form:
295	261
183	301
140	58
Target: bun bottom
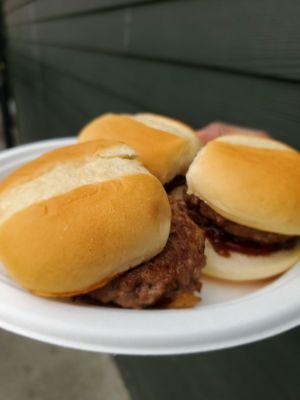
241	267
178	192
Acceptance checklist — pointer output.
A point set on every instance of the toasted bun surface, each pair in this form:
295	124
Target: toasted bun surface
165	146
84	214
251	181
240	267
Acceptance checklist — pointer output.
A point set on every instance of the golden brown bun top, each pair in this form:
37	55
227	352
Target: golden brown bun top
253	184
165	146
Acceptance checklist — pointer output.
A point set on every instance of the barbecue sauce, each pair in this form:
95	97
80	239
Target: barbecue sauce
224	243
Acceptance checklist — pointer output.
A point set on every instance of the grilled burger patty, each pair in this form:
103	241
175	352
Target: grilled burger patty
241	231
177	269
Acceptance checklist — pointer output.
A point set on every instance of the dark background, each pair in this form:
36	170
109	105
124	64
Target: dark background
233	60
237	61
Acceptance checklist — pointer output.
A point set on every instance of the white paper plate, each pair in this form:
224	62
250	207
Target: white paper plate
229	315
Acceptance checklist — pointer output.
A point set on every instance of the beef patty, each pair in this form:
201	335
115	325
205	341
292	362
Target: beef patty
177	269
255	235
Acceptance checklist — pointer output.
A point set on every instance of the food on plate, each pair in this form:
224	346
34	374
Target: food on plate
244	192
172	274
75	217
165	146
78	218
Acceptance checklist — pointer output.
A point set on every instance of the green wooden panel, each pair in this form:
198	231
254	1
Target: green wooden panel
10	6
196	95
50	104
260	37
260	371
42	116
45	9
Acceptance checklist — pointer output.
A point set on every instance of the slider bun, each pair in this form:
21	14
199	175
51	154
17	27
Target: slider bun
254	141
240	267
250	180
76	217
165	146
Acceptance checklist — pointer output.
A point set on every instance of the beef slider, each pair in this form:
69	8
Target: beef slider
244	191
177	269
245	232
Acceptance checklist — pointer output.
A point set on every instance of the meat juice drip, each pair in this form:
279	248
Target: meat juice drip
224	244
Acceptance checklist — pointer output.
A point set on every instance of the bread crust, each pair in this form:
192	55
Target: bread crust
163	153
253	186
75	241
